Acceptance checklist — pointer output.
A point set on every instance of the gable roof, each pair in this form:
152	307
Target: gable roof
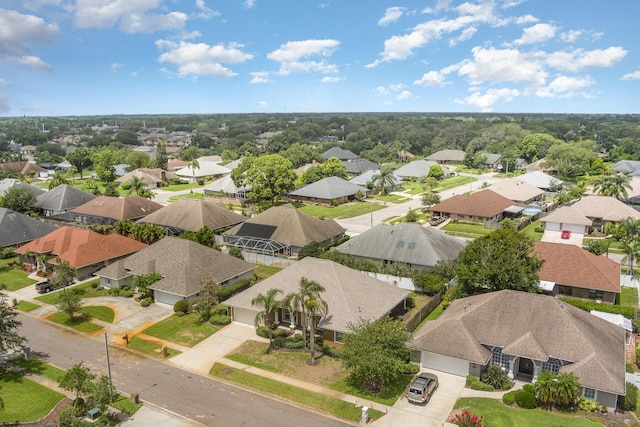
183	264
447	156
540	179
205	169
148	176
350	294
8	183
339	153
62	198
359	165
329	188
225	185
559	330
483	204
369	175
289	226
567	215
24	168
192	215
516	189
573	266
418	168
605	207
118	208
404	242
18	228
80	247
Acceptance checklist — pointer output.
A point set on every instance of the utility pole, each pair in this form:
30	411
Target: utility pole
106	346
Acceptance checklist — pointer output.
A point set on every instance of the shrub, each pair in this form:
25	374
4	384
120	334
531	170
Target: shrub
474	383
94	284
263	332
181	306
411	302
219	310
114	292
200	181
126	293
526	400
220	319
509	398
234	289
278	342
495	376
529	388
331	351
145	302
6	252
627	312
585	404
631	398
410	369
467	420
293	344
66	418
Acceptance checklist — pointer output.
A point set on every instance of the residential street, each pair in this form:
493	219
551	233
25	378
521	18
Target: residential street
192	395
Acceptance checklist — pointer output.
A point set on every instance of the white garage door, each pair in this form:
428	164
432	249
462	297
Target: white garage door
576	229
166	298
552	226
447	364
244	316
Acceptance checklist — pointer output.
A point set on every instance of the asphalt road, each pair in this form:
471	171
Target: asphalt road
191	395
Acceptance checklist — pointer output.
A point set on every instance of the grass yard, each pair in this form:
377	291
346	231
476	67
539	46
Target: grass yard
264	271
199	196
150	348
346	210
79	324
85	289
414	187
496	414
125	404
321	402
39	367
455	181
184	330
13	278
26	306
629	297
388	396
180	187
99	312
530	230
25	400
391	198
466	229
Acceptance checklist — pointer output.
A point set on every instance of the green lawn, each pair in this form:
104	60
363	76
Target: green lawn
414	187
186	196
346	210
388	396
25	400
264	271
181	187
321	402
13	278
39	367
125	404
629	297
99	312
185	330
496	414
85	289
26	306
150	348
78	323
390	198
455	181
466	229
530	230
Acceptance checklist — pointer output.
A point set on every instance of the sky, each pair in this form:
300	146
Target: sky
94	57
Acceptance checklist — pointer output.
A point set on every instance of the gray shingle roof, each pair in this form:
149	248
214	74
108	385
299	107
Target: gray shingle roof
515	189
193	214
226	185
368	176
329	188
357	166
350	294
540	179
8	183
554	329
339	153
18	228
63	198
418	168
404	242
447	156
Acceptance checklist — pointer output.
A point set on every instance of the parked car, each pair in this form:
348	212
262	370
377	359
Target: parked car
422	388
46	286
566	234
435	220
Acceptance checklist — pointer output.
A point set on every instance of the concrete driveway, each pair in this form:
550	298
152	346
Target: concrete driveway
555	237
434	413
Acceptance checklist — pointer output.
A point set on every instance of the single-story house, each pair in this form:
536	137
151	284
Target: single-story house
566	218
525	334
482	206
282	230
18	228
61	199
8	183
571	271
603	209
23	168
367	178
446	156
355	167
226	191
626	166
541	180
107	210
404	243
339	154
152	178
418	169
350	295
516	190
205	170
191	215
84	250
328	191
183	265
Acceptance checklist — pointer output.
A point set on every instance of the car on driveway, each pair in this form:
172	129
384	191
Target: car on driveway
46	286
566	234
422	388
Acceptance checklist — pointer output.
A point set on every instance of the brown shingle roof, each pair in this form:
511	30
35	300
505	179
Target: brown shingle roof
607	208
118	208
573	266
567	215
516	189
21	167
483	204
81	247
193	214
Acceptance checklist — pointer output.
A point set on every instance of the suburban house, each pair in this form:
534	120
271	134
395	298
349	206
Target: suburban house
355	167
8	183
571	271
226	191
482	206
152	178
350	296
191	215
517	191
282	230
628	167
406	243
107	210
367	178
541	180
22	168
418	169
446	156
208	170
183	265
84	250
565	218
339	154
176	164
18	228
526	334
495	162
61	199
328	191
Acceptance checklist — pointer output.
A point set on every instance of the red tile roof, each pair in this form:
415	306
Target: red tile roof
82	247
483	204
573	266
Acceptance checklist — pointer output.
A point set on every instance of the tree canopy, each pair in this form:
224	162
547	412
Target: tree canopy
19	198
9	337
270	176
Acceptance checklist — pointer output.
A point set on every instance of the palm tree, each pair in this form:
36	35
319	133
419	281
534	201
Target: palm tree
567	388
72	170
315	307
545	388
613	185
194	164
268	304
57	179
136	185
383	181
307	289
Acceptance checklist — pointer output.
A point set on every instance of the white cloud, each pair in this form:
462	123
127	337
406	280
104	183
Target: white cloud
134	74
381	90
132	16
405	94
564	86
504	65
632	76
30	61
487	100
579	59
115	66
332	79
397	87
536	34
205	12
260	77
249	4
432	78
571	36
18	32
392	14
290	56
527	19
465	35
38	4
195	59
151	23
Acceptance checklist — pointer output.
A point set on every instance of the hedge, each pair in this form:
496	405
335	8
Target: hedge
627	312
474	383
234	289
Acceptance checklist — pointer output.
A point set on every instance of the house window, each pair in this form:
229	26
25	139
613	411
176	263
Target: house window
593	294
338	337
289	317
552	365
500	359
589	393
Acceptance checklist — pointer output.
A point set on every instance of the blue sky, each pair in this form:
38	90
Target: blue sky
86	57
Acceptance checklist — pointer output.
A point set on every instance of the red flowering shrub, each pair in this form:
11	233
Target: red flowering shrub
466	419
